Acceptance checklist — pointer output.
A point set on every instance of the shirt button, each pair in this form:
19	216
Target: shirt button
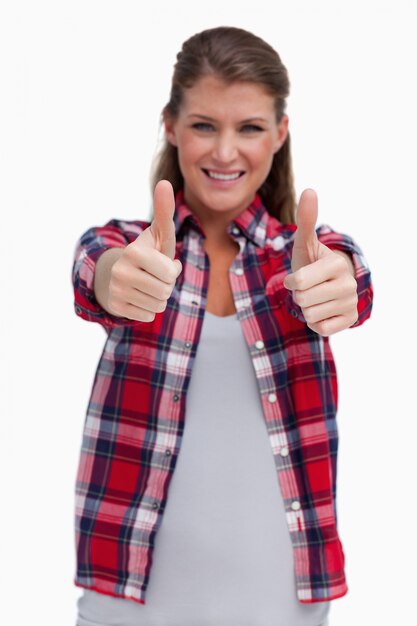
78	310
294	313
284	452
188	344
238	271
235	230
272	397
259	344
155	505
176	397
296	506
167	452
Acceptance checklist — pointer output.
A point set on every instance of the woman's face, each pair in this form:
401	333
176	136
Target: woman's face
225	131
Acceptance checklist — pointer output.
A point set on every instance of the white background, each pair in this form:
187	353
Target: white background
82	86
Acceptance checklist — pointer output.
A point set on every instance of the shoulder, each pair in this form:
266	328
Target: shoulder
115	231
128	227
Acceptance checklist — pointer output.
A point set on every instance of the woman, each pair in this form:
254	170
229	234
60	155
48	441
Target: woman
211	499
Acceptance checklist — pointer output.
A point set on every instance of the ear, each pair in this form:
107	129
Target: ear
282	132
169	127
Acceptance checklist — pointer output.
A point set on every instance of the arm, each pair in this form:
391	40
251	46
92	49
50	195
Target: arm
102	275
91	291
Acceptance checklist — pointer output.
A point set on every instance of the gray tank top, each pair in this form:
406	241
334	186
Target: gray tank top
223	554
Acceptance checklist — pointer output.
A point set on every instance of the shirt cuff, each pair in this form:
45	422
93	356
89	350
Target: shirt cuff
85	303
91	245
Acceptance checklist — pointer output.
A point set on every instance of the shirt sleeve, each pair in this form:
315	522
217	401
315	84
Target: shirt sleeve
88	249
340	241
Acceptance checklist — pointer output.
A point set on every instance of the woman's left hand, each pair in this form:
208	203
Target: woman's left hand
322	282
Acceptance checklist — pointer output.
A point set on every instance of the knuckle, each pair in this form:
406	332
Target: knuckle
135	255
299	298
118	273
308	316
168	291
355	314
171	274
340	261
149	316
353	298
115	295
164	292
114	306
353	283
130	251
145	316
322	328
162	306
138	317
299	278
348	286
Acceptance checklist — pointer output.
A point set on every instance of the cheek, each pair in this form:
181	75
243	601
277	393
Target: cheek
264	150
184	158
263	156
189	153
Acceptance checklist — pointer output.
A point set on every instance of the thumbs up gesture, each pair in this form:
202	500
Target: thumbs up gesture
143	277
322	281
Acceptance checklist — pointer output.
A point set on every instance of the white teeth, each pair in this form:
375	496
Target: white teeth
223	176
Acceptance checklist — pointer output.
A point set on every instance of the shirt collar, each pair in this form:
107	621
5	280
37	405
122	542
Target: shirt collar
252	221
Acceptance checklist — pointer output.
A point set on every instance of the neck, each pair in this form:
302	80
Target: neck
214	223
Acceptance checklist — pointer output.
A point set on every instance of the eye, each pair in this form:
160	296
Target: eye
202	126
252	128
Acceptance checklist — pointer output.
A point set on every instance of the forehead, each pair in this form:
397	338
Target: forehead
213	97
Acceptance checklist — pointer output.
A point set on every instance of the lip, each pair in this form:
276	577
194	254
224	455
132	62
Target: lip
211	169
223	184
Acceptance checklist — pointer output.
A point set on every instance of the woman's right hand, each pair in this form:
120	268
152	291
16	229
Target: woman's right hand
143	277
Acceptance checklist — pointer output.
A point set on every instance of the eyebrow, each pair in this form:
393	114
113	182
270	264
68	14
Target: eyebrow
250	119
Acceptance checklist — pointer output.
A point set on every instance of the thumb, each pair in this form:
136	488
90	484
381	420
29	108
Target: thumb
306	218
162	226
306	244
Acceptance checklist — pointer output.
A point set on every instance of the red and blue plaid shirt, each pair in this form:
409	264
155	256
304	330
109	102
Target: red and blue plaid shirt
135	417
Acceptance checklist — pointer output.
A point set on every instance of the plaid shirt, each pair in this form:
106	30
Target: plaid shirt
135	417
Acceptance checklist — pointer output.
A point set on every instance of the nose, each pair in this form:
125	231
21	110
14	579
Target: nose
225	149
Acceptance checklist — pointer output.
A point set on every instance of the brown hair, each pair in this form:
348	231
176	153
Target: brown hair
232	54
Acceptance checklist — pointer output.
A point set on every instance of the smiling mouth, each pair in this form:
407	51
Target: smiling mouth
223	176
